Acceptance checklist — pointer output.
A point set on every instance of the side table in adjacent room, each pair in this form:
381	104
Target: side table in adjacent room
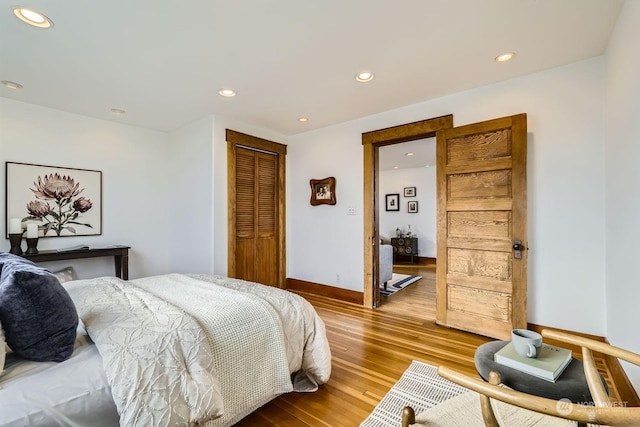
404	246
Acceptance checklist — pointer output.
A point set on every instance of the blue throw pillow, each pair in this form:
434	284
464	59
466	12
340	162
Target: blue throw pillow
36	312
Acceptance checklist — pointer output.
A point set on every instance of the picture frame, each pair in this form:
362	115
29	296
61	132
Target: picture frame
412	207
323	191
409	191
63	201
392	202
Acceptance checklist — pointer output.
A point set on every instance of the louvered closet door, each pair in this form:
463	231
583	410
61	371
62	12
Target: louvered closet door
256	213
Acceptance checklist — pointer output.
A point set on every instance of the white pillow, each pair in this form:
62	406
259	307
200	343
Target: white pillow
3	352
67	274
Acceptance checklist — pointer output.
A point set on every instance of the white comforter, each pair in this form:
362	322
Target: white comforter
178	350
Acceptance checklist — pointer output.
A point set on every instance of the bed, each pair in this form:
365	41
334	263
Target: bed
166	350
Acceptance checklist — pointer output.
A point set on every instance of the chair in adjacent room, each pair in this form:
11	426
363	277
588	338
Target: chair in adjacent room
386	264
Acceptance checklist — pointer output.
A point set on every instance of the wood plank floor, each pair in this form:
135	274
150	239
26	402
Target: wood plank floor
370	351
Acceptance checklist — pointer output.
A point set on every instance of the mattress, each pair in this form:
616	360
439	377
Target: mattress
70	393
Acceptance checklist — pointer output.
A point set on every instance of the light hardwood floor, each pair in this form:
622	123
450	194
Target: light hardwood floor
370	351
416	300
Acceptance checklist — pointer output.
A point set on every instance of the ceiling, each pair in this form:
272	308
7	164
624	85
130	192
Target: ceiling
396	156
164	61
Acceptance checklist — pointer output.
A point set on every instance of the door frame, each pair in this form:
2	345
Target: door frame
234	139
371	142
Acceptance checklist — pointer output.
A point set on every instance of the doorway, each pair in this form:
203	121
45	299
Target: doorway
372	141
481	281
407	171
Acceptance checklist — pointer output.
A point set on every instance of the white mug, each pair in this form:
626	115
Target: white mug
527	343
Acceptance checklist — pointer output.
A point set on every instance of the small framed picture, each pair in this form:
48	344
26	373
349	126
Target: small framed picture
409	191
323	191
412	207
393	202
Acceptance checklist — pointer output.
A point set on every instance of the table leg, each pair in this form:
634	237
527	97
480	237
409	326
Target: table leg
122	266
117	259
125	267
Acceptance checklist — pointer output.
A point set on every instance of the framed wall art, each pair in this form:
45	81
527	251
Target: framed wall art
392	202
409	191
61	201
412	207
323	191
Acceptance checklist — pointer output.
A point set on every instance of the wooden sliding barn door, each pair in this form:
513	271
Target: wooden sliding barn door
481	283
257	218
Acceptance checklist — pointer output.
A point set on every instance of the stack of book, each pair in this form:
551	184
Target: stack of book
549	364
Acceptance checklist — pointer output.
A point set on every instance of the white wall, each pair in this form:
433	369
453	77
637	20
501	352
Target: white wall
565	108
324	243
622	179
423	223
165	195
198	170
134	165
190	207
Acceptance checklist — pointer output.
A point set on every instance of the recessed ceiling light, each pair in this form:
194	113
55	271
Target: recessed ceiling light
364	77
227	93
395	167
303	119
11	85
409	154
118	111
32	17
504	57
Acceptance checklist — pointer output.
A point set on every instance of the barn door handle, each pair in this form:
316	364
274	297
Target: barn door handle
517	249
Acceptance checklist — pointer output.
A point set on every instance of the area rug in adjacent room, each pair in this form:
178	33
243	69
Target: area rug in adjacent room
419	387
397	282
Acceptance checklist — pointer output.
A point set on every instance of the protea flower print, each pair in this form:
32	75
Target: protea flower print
63	216
55	186
82	205
38	208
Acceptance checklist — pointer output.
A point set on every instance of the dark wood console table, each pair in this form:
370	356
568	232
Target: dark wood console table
119	253
404	246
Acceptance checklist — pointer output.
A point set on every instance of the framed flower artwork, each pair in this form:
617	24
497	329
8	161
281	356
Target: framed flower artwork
61	201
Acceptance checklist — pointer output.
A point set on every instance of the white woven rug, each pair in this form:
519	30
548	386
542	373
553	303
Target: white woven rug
419	387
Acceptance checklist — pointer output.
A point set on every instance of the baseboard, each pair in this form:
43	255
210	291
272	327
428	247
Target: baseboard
421	260
618	376
424	260
326	291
